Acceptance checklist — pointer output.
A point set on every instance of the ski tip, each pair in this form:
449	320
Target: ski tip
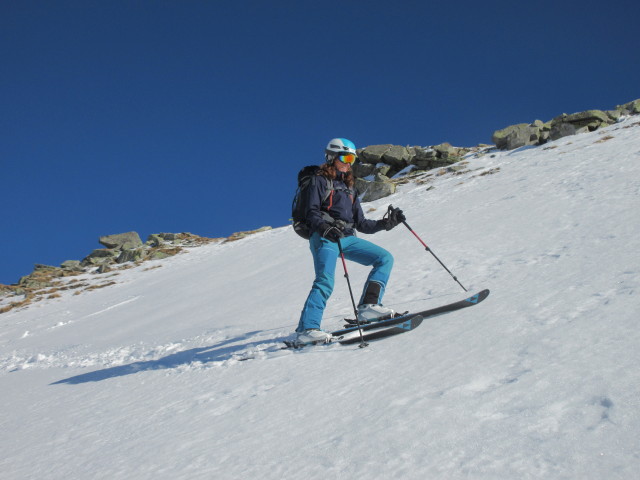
478	297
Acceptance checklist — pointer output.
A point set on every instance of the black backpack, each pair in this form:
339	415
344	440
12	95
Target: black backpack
299	204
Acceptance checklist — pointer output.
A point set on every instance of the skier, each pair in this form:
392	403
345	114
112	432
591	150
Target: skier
336	219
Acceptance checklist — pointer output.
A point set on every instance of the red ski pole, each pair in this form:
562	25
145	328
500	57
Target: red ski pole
391	209
353	302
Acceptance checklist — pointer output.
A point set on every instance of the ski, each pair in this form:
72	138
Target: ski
406	326
396	325
297	346
352	322
432	312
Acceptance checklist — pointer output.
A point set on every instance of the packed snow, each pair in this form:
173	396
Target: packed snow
177	372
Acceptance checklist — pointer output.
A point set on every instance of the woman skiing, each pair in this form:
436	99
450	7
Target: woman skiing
335	216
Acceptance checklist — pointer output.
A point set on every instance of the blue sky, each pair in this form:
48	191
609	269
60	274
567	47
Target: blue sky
171	116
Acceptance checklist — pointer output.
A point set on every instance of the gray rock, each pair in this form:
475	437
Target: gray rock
544	137
373	153
99	256
130	255
424	160
129	240
169	237
39	266
72	266
420	154
371	191
159	255
445	151
516	136
632	107
154	240
398	157
104	268
614	115
361	170
587	116
34	283
383	170
591	119
560	130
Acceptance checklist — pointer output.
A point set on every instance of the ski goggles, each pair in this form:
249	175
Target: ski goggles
350	158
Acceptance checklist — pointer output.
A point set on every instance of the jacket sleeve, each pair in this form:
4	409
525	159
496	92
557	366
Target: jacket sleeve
362	224
315	192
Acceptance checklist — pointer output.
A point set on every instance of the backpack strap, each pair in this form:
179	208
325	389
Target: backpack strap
350	192
329	196
329	191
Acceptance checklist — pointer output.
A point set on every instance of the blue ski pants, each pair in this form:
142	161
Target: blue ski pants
325	256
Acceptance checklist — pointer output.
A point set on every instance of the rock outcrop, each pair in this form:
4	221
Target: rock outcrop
378	163
539	133
121	251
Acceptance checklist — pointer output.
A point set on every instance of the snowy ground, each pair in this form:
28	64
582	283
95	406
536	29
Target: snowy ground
147	378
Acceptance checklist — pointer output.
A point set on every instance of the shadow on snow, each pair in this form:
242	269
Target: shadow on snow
213	353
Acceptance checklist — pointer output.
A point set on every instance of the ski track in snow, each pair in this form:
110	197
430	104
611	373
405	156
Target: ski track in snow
133	299
202	352
177	372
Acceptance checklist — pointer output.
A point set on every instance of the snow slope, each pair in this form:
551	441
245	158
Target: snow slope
147	378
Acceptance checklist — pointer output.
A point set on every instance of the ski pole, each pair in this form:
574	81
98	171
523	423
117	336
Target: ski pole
353	302
391	209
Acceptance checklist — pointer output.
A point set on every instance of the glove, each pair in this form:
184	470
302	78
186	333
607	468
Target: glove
333	232
393	218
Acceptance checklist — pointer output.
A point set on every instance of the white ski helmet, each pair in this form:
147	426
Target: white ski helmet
339	146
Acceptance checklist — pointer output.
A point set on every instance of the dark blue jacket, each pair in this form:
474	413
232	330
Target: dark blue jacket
342	205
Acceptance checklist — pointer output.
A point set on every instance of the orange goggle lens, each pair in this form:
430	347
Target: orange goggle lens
350	159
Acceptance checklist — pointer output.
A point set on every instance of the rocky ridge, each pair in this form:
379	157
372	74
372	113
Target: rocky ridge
539	132
377	164
380	168
121	252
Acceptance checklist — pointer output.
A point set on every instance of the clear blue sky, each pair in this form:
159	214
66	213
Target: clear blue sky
170	116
